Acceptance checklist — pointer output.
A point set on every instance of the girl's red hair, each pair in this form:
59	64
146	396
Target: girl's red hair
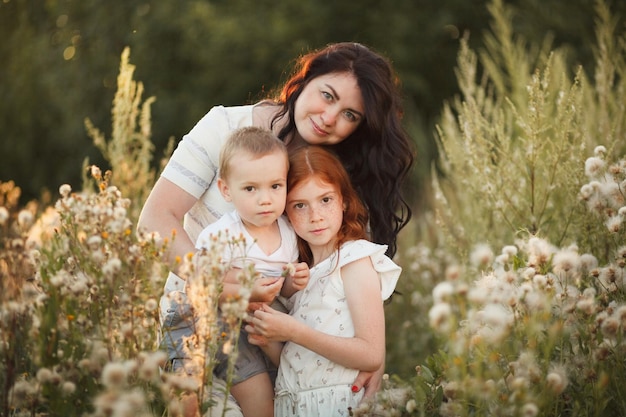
318	162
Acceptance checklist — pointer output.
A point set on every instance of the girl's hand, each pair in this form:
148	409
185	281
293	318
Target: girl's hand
300	277
273	325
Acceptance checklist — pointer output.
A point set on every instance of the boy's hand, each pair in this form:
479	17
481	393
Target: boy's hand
264	290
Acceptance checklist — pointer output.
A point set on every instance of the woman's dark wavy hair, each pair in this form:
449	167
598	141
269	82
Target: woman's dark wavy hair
379	154
318	162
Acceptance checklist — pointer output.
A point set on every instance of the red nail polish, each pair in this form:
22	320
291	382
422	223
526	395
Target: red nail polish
355	388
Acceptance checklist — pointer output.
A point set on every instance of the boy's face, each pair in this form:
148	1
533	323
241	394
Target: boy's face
257	187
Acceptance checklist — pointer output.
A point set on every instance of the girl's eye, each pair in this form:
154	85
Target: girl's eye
298	205
326	200
276	186
249	188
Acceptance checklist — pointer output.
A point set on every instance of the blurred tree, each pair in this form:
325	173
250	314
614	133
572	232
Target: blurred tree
60	60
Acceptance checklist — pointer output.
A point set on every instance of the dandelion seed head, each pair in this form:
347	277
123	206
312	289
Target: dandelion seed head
68	387
453	272
530	410
614	224
588	262
443	292
114	375
594	167
586	191
557	380
65	190
481	256
586	305
411	406
151	305
44	375
599	151
439	317
25	218
566	263
610	327
4	215
112	266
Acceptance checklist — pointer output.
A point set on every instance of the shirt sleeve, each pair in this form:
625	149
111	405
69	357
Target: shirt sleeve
194	164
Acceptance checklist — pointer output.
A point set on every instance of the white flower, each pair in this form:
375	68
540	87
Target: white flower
65	190
594	167
599	150
481	256
443	292
4	215
25	218
439	316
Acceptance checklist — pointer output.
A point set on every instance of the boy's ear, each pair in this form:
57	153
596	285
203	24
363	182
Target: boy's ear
224	190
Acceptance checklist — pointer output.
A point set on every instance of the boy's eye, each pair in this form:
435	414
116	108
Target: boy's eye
276	186
249	188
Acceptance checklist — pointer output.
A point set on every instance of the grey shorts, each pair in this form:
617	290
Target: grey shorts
250	361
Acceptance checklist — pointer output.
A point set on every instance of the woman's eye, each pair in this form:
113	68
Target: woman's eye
327	95
351	116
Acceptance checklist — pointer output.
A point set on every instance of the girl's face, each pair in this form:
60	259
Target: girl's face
315	209
329	109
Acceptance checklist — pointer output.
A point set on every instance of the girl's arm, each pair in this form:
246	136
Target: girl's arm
365	351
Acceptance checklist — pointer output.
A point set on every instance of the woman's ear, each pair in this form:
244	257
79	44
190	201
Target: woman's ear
224	189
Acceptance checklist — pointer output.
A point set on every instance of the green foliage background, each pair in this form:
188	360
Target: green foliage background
60	60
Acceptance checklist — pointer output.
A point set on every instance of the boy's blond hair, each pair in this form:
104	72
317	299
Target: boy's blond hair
253	140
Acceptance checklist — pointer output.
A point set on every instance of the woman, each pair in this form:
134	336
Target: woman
344	96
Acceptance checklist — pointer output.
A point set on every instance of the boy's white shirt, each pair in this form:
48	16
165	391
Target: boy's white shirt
268	265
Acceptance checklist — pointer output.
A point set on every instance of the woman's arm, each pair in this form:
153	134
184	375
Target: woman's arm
366	350
163	212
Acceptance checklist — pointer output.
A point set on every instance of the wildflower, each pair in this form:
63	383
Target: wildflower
443	292
44	375
566	262
25	218
588	261
439	316
614	224
4	215
530	410
539	252
289	270
65	190
594	167
599	151
112	266
68	387
114	375
481	256
151	305
557	380
95	172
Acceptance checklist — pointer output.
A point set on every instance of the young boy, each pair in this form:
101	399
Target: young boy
253	177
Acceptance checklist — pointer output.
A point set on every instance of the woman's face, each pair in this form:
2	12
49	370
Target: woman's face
329	109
